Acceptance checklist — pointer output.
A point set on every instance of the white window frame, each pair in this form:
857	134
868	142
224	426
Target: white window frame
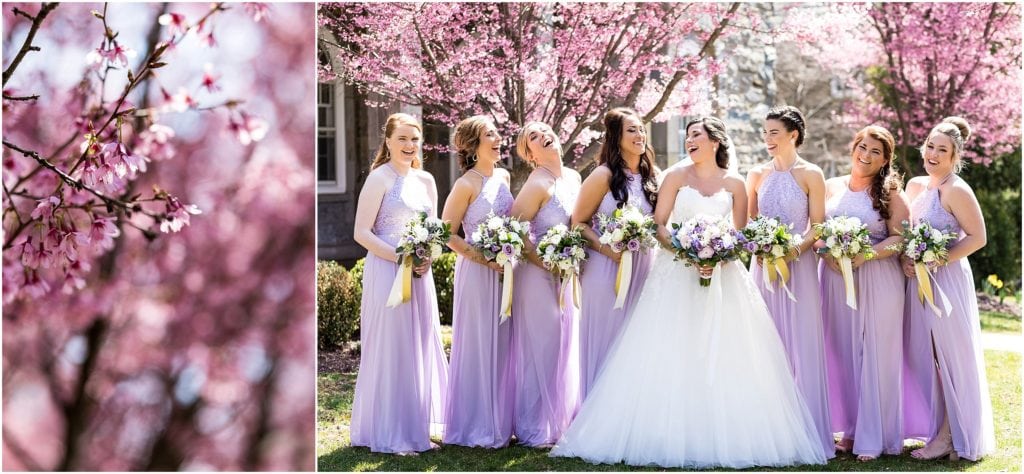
337	185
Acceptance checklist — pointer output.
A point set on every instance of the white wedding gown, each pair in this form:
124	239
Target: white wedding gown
698	377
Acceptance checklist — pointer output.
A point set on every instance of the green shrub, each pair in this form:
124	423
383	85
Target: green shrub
998	188
444	282
338	296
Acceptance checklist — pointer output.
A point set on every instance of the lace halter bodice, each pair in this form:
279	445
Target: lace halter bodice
494	197
782	197
406	198
928	206
636	198
690	202
557	210
858	204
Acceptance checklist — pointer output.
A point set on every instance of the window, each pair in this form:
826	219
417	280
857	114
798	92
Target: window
330	138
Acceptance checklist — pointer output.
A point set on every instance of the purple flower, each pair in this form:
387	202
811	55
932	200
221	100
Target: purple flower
751	246
921	247
421	252
706	252
507	249
633	245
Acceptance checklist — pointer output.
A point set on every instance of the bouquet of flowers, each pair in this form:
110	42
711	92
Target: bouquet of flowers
707	240
772	240
423	237
627	230
845	238
500	239
925	245
563	249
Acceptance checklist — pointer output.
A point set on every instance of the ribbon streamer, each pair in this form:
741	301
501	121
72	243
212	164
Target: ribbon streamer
506	293
851	295
776	269
566	282
401	289
924	290
623	278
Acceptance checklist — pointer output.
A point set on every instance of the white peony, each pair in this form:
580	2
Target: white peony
929	256
855	247
435	251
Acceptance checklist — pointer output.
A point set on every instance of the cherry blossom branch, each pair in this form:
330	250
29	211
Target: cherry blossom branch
678	76
27	45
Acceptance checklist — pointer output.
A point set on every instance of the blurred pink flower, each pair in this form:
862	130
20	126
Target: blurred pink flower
175	23
257	10
248	128
177	215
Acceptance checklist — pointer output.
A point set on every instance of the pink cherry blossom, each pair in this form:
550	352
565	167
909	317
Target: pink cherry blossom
44	211
257	10
175	23
248	128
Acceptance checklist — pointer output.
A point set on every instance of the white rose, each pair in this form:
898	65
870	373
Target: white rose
617	235
435	251
501	258
421	234
937	235
855	247
929	256
475	236
605	239
830	242
494	223
777	251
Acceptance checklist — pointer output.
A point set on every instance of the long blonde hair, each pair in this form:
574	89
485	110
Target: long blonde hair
523	138
393	122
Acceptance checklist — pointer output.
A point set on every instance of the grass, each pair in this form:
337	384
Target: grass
1000	322
335	454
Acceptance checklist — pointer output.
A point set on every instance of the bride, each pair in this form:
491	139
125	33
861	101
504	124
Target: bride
698	376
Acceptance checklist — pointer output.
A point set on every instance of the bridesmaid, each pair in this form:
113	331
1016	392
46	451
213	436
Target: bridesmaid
946	391
403	374
864	347
479	409
792	190
545	357
626	174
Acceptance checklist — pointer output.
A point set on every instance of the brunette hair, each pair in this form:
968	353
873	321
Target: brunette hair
791	118
888	180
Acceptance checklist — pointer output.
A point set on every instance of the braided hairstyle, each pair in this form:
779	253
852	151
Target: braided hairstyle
791	118
888	180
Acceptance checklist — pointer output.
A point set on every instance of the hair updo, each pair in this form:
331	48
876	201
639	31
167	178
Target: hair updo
791	118
958	131
715	129
467	139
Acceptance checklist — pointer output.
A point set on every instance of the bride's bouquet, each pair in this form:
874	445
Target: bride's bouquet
925	245
845	238
500	239
423	237
563	249
770	239
707	240
627	231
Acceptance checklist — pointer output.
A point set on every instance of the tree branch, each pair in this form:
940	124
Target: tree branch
27	45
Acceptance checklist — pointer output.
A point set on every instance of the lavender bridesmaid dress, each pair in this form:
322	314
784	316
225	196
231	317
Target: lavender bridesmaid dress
958	387
479	409
799	323
864	347
544	338
403	374
599	322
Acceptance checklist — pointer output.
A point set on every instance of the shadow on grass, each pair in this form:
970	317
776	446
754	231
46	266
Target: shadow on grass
336	454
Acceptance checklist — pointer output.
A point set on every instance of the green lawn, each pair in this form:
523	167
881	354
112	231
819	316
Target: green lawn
1000	322
335	454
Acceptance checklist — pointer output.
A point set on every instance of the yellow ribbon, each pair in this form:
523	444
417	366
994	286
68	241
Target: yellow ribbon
776	268
401	289
623	279
851	295
924	289
506	293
